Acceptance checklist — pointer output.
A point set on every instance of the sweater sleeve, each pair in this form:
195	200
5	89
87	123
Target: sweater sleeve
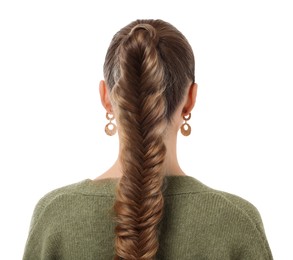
42	241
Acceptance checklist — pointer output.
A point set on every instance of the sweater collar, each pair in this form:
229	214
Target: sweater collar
175	184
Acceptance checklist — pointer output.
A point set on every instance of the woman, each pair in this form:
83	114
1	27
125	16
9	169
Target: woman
145	206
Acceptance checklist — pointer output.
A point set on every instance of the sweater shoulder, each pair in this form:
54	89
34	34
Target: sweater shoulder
233	203
246	215
230	200
55	193
51	196
230	210
247	209
242	205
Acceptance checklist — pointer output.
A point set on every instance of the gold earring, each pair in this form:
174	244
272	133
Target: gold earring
186	128
110	128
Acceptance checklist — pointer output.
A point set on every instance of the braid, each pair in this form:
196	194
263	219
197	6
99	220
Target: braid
138	94
148	67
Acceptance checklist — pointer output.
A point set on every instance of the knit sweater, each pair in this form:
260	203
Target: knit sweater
75	223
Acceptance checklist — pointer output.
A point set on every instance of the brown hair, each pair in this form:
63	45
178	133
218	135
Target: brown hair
148	67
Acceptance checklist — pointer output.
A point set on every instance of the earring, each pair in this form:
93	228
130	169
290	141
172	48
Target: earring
110	128
186	128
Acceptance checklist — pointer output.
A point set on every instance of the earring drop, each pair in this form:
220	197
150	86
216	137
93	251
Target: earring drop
186	128
110	128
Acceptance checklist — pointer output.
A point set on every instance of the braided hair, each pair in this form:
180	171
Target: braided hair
148	66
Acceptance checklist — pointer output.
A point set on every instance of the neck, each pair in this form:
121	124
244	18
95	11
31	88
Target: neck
171	164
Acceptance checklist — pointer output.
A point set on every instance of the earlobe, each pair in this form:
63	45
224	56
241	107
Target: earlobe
105	100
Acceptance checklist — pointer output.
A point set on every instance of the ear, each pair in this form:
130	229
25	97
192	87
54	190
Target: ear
190	99
105	96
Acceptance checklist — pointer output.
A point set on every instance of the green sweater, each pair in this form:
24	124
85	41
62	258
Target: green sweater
74	223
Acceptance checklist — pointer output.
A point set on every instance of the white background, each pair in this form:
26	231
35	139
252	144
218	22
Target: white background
52	123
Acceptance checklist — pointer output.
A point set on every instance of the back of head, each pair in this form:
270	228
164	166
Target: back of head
148	68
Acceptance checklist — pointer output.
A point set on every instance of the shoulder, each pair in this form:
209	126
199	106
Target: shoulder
49	218
243	206
226	203
222	199
225	221
243	210
73	188
189	194
240	217
54	197
251	227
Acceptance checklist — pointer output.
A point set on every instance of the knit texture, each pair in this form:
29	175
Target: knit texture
75	223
